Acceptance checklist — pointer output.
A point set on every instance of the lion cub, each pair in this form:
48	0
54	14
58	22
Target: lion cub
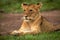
33	22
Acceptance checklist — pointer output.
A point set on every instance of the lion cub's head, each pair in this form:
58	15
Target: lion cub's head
31	10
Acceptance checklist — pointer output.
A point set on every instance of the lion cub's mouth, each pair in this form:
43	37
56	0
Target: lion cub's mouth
27	18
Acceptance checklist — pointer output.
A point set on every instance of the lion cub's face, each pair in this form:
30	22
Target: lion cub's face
30	11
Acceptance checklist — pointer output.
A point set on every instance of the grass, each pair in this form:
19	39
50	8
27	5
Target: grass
15	6
42	36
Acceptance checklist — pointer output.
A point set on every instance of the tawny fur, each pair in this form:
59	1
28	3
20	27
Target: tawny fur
34	23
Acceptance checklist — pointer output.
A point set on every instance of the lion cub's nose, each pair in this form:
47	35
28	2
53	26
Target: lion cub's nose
26	16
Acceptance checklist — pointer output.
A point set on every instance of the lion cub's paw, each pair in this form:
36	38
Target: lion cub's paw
15	32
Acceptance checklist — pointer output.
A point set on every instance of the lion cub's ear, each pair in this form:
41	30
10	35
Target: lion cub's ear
39	5
24	5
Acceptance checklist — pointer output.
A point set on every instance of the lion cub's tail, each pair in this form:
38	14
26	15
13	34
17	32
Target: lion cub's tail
57	27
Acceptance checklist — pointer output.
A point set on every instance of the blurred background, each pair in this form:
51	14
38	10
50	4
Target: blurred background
7	6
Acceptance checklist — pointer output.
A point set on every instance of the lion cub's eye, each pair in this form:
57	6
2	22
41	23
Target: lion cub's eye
31	10
24	10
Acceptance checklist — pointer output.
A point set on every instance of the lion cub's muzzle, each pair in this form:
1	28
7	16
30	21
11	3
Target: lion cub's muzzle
27	18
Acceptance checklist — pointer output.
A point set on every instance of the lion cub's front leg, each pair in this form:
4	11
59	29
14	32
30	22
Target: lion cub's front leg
25	28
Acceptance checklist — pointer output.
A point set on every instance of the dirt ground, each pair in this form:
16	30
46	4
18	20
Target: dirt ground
11	22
